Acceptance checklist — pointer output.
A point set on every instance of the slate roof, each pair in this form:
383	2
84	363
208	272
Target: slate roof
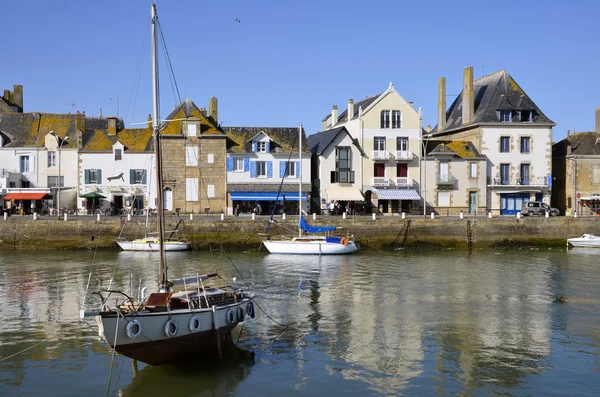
30	129
285	139
321	140
7	106
582	144
462	149
365	103
497	91
133	139
186	109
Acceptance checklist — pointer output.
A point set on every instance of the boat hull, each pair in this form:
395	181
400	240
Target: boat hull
584	242
309	247
154	346
141	245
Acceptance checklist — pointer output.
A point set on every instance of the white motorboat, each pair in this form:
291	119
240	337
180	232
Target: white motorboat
586	240
186	316
153	244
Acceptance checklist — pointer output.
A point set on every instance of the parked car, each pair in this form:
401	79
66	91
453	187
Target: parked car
532	208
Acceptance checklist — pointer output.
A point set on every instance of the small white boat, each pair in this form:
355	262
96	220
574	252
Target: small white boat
587	240
152	244
312	245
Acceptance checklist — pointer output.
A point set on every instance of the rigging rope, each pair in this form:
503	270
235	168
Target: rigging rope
287	164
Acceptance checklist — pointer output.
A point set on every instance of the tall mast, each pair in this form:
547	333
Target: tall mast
162	270
300	186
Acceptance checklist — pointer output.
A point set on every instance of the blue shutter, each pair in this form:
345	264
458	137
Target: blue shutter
297	169
282	169
131	177
267	145
144	176
99	176
254	147
253	169
269	169
246	164
87	177
229	164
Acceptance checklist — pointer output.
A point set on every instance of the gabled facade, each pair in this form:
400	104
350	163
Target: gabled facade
455	179
507	127
388	129
576	172
262	161
336	161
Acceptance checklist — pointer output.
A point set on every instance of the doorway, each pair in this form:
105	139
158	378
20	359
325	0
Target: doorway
473	203
168	199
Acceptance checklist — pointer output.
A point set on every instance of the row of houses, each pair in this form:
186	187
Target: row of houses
491	150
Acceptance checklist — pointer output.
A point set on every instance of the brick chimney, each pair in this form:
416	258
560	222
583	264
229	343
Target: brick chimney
468	96
350	109
80	121
441	103
112	125
334	115
213	109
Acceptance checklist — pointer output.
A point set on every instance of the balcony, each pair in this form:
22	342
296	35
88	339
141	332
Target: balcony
539	181
446	181
342	176
404	155
381	181
382	155
404	181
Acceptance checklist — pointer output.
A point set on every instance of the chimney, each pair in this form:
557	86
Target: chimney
441	103
112	125
334	115
468	96
80	121
568	133
598	120
18	96
213	108
350	109
6	95
428	128
149	120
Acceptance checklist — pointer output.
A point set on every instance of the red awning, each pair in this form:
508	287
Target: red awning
24	196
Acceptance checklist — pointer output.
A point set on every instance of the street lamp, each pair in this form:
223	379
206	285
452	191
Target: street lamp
60	142
424	159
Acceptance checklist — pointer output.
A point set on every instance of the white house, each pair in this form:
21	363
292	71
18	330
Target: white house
265	170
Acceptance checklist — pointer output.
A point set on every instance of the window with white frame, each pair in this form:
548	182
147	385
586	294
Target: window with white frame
24	164
472	170
192	129
261	168
596	174
191	189
238	163
443	199
210	191
385	119
290	169
118	154
261	146
211	158
138	176
379	143
51	159
402	143
191	156
93	176
505	115
396	119
504	144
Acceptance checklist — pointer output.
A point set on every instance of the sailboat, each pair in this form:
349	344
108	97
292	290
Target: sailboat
186	316
310	244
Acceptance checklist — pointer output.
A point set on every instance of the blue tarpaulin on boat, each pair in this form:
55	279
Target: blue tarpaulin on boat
314	229
334	239
266	196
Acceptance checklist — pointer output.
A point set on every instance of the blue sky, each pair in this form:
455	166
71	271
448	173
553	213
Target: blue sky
289	62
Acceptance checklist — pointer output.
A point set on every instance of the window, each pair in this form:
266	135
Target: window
443	199
472	170
525	174
93	176
343	166
505	115
290	168
525	140
24	164
238	164
261	146
504	174
211	158
210	191
53	181
396	119
596	174
118	154
385	119
526	116
138	176
402	170
192	130
261	168
504	144
379	143
379	170
51	159
191	156
191	189
402	143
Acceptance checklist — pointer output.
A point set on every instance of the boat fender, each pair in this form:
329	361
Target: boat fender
133	329
230	316
240	313
170	328
195	323
250	309
344	241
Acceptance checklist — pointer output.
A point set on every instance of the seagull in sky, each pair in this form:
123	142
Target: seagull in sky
238	21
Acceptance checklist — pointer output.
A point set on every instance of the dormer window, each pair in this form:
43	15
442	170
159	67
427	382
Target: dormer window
118	154
526	116
505	116
261	147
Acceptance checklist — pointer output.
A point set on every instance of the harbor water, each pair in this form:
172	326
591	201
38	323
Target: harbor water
514	323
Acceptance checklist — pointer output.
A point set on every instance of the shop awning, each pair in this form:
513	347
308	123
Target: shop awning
589	198
92	195
344	194
397	194
265	196
24	196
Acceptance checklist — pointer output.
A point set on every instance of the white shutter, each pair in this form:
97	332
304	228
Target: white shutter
443	199
191	156
191	189
210	191
191	129
211	158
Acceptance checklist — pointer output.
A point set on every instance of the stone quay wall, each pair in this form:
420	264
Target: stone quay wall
242	233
